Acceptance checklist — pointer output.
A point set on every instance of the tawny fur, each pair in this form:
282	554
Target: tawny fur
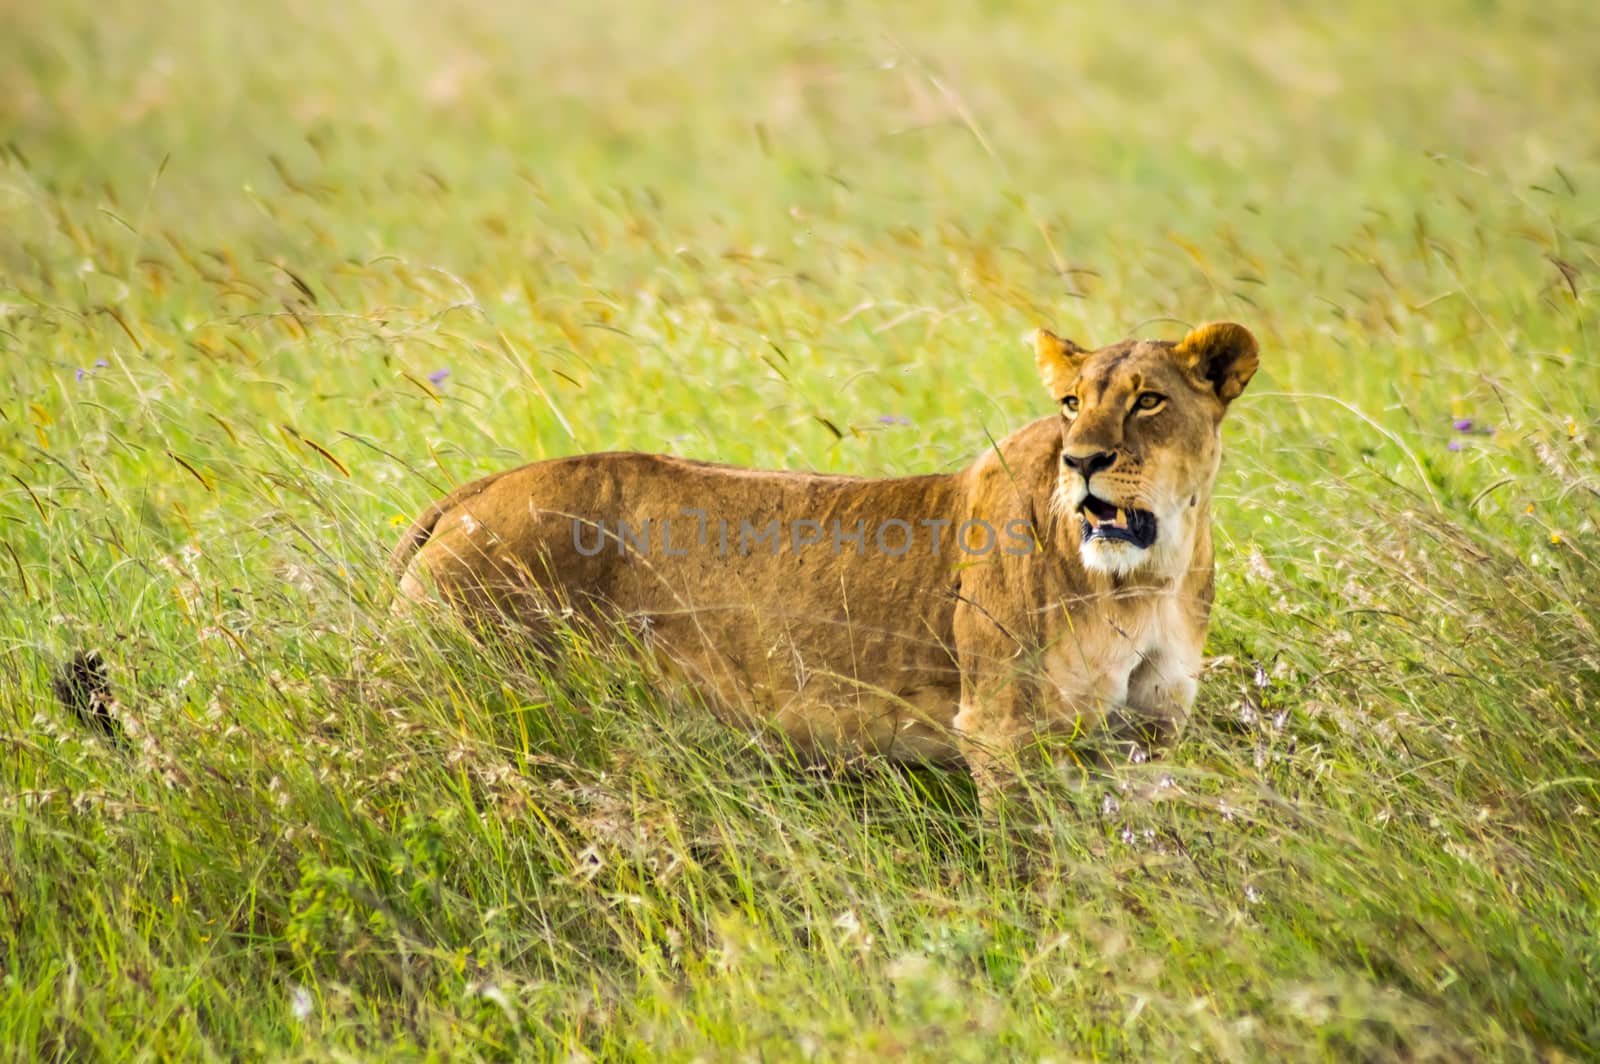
928	655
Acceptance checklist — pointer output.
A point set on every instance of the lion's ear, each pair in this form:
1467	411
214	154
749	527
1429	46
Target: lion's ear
1221	354
1058	360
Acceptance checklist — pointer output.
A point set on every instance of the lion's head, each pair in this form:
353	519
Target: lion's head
1141	440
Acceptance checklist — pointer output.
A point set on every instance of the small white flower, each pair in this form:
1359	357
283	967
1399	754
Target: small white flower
1258	569
1109	806
300	1003
495	993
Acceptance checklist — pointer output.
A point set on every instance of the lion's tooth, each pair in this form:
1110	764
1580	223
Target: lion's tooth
1088	515
1122	516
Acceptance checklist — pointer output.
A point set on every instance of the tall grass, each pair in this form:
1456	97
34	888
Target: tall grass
272	277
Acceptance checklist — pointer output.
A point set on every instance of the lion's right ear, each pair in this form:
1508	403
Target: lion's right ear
1058	360
1222	354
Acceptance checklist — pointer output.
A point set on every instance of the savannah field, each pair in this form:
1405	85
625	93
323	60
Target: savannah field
274	276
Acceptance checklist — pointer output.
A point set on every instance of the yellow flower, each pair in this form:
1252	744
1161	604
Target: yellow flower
397	520
1555	539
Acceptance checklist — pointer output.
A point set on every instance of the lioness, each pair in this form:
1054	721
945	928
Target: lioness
1059	583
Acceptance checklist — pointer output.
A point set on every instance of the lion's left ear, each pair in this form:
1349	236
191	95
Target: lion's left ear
1222	354
1058	360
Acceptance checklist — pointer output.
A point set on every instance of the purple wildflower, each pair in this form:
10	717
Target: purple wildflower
1464	424
82	373
1453	445
893	419
438	376
101	363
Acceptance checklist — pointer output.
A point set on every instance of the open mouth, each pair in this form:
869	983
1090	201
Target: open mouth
1101	520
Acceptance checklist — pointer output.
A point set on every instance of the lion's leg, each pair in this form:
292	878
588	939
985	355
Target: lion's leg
992	734
1160	692
994	723
999	739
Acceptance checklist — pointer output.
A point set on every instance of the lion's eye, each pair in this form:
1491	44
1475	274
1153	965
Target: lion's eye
1071	404
1150	400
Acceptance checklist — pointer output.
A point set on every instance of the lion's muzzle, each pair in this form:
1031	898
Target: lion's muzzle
1105	521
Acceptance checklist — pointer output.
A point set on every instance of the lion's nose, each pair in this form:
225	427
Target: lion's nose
1089	464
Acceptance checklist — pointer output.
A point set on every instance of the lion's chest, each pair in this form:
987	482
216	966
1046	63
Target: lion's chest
1142	661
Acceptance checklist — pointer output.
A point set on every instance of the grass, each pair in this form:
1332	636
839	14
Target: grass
240	245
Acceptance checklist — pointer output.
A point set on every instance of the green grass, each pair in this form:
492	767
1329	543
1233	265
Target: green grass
236	240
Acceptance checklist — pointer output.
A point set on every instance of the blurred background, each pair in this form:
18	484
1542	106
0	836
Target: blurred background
438	238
